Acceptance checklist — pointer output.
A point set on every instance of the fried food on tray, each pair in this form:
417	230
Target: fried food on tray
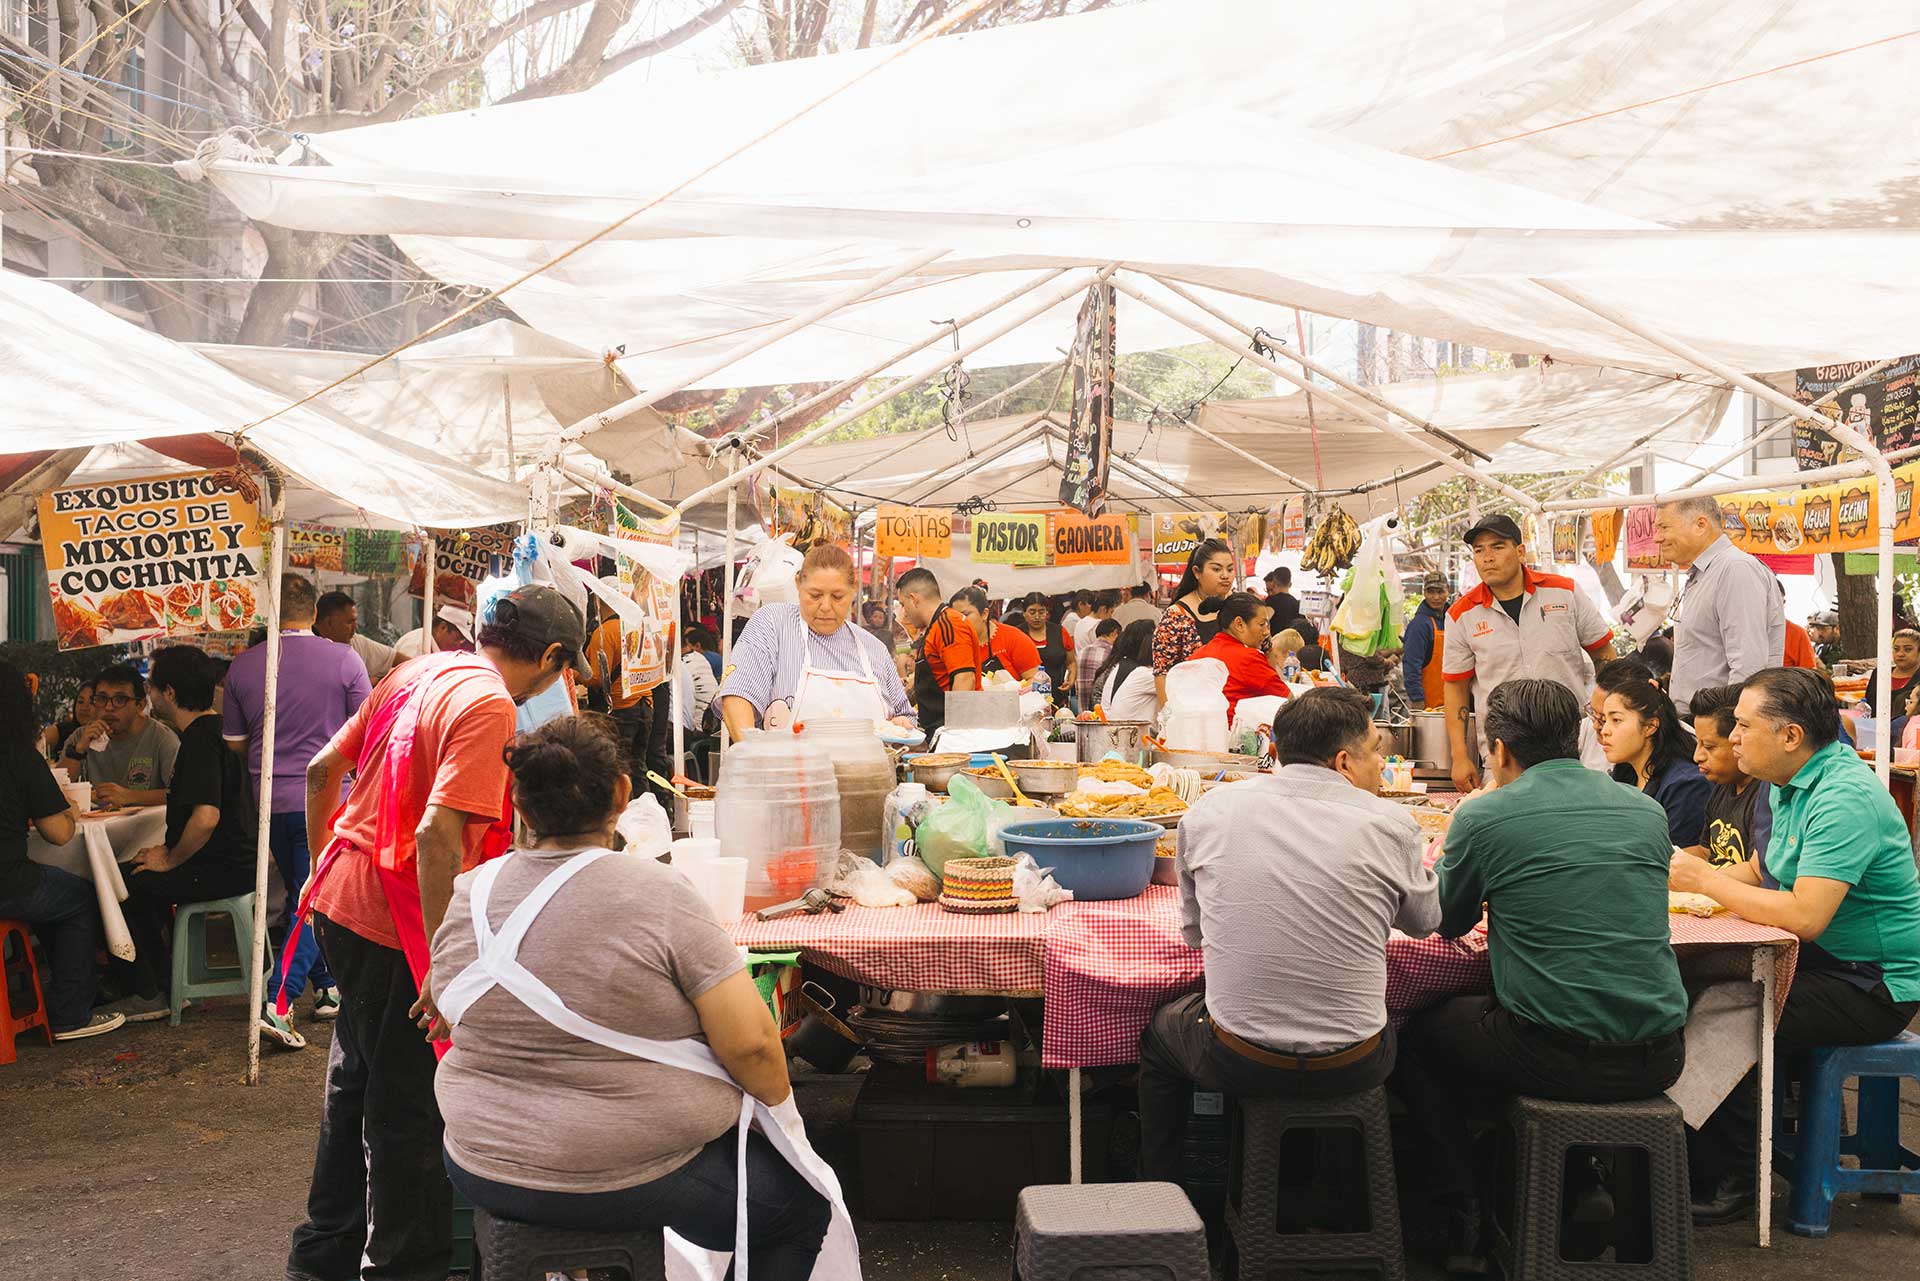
1160	802
1118	772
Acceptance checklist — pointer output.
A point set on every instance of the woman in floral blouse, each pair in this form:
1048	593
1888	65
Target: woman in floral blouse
1189	621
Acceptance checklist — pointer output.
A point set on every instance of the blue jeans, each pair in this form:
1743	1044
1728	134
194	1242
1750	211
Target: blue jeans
287	838
65	913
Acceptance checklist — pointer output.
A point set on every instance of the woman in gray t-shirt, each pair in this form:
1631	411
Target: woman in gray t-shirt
544	1127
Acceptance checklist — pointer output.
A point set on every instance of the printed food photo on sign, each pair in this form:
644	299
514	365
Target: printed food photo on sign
134	560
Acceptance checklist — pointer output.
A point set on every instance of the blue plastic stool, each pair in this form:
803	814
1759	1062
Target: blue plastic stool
193	975
1811	1157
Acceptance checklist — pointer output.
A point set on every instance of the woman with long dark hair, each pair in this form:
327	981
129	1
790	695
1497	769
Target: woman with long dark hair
1190	621
61	907
1125	682
1050	638
1641	733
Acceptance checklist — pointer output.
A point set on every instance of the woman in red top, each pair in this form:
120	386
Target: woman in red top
1244	623
1003	648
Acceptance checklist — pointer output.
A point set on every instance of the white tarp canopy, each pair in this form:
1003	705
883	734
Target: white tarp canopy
1738	178
74	378
494	396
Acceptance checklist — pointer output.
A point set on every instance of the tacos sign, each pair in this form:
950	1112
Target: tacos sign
167	556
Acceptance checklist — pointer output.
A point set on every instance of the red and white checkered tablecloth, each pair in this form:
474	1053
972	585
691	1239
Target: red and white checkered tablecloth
924	948
1692	934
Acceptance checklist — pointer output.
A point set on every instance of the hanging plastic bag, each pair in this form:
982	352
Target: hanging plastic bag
645	827
1196	715
958	829
1370	613
768	577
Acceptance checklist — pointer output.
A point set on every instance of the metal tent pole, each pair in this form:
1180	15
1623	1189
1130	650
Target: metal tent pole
759	342
1775	428
263	847
726	608
1303	486
1066	288
1224	337
1869	453
1017	438
601	480
430	580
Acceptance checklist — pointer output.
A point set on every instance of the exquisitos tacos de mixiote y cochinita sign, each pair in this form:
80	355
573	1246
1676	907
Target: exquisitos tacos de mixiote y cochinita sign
165	556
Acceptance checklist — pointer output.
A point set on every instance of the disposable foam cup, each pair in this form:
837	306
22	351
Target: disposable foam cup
79	795
695	849
723	883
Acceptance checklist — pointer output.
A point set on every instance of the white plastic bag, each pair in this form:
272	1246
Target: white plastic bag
1252	713
1371	608
863	881
1195	719
645	827
1034	887
769	575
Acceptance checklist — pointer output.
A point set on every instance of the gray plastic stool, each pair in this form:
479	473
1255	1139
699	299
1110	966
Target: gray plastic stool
1254	1196
1108	1231
1544	1131
508	1251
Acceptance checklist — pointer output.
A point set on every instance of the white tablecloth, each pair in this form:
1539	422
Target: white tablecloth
103	842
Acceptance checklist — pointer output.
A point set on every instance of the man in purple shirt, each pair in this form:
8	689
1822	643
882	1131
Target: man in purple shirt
321	685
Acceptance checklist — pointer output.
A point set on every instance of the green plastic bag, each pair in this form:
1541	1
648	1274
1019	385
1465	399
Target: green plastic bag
962	828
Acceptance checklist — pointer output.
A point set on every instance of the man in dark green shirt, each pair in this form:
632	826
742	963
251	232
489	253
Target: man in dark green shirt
1847	887
1587	1004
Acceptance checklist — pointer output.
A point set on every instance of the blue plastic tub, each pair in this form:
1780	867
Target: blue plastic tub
1096	858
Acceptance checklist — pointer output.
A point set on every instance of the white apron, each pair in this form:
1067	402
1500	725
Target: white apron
828	695
498	965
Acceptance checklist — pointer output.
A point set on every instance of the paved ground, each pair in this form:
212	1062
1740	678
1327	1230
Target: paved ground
141	1154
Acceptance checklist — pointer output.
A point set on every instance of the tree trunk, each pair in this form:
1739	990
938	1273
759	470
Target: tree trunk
291	255
1858	610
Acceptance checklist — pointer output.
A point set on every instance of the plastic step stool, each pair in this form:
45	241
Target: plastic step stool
1811	1157
508	1251
13	934
1652	1231
1108	1232
1256	1198
194	976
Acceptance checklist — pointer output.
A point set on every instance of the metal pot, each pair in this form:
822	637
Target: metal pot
1094	739
1431	749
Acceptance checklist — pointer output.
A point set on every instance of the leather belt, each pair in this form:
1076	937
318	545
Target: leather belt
1297	1062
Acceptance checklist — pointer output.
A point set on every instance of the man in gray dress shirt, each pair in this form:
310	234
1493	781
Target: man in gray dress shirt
1730	622
1289	885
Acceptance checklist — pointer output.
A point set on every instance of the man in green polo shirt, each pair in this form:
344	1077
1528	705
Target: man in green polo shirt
1840	854
1587	1004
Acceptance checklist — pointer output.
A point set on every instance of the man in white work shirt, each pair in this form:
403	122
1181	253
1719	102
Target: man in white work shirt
1516	623
1729	621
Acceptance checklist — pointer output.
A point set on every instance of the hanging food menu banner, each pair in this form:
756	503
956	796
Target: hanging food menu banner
1841	516
1566	540
1089	444
1017	539
1885	409
1175	535
463	559
314	547
159	557
918	533
1091	540
1606	536
1643	546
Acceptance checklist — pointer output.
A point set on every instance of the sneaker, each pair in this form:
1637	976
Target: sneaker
280	1030
326	1003
100	1022
141	1009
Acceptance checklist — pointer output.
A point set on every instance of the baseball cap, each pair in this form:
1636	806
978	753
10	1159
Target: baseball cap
1504	526
1825	618
1434	583
540	616
459	619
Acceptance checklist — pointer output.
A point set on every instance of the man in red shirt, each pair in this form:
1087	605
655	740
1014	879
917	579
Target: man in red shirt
1245	621
428	801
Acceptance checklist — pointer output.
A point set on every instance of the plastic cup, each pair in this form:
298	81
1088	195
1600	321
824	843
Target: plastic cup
723	883
700	819
80	796
694	849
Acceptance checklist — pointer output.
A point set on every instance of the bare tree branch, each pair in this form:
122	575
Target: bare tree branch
560	83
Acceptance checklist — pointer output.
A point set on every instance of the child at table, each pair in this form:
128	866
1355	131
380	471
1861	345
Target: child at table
60	906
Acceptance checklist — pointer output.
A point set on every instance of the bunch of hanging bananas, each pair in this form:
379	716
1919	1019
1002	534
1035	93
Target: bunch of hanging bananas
1333	543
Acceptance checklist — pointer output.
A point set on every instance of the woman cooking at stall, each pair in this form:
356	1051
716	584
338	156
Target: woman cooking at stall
1008	649
1191	620
1051	639
796	663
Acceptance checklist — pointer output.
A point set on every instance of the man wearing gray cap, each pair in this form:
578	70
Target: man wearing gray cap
1421	646
1823	629
1517	622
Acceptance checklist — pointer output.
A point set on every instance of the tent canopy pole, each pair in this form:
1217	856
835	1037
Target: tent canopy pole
1869	454
1208	329
1204	434
581	475
938	479
759	342
1066	288
263	847
1775	428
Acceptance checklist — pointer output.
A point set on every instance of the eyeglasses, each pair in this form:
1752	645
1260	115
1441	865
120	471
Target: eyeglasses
115	701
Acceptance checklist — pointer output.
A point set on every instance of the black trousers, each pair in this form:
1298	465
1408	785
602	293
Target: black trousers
151	898
646	732
1822	1008
1179	1051
1465	1054
378	1184
786	1218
